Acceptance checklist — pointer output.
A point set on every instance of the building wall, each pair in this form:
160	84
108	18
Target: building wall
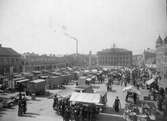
115	58
7	62
10	63
161	57
34	62
149	56
138	60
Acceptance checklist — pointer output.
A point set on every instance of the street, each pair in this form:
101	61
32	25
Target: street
41	109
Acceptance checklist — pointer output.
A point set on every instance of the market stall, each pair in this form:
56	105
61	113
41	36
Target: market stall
132	92
90	104
64	93
145	111
91	98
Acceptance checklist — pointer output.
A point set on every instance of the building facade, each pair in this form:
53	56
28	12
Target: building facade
115	57
10	63
10	60
161	56
138	60
35	62
149	56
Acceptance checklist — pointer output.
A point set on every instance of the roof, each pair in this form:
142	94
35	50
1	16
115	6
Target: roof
8	52
159	40
65	93
17	79
83	86
21	81
165	40
114	50
85	97
38	81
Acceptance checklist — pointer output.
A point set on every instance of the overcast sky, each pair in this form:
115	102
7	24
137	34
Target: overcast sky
39	25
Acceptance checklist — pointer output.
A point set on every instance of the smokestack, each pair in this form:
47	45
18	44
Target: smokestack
90	58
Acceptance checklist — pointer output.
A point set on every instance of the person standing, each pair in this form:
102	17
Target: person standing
117	104
24	101
55	101
135	98
20	107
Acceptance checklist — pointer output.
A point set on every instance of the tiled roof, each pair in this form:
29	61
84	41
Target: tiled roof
8	52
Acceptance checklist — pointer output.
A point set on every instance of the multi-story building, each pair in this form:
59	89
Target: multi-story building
10	60
115	57
138	60
10	63
161	56
149	56
35	62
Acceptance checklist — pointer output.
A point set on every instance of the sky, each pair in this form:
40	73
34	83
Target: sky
42	26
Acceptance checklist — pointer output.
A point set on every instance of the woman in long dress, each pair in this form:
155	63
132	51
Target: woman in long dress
117	104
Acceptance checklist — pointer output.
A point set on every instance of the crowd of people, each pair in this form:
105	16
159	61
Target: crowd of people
88	112
76	111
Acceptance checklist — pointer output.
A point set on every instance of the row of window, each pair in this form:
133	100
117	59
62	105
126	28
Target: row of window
123	62
114	57
115	60
9	60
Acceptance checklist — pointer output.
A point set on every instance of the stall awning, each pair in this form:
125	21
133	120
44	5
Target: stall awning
86	71
85	98
88	79
127	88
150	81
38	81
43	77
94	70
21	81
64	93
131	88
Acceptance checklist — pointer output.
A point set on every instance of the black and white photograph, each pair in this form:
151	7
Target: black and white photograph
83	60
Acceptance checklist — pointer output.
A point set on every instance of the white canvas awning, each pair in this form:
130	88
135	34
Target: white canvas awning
86	71
64	93
150	81
38	81
85	97
88	79
131	88
94	70
21	81
127	88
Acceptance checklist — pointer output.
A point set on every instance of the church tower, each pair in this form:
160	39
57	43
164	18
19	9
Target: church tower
159	42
